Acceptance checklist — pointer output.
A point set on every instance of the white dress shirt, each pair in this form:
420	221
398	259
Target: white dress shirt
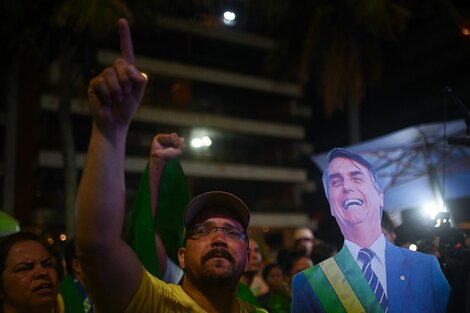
378	261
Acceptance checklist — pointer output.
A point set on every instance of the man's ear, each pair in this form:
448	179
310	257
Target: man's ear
181	257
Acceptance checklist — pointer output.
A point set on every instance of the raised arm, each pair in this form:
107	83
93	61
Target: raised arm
143	233
164	147
112	271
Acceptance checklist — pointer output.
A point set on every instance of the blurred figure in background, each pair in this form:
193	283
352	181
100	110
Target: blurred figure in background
302	243
304	240
388	228
255	264
72	287
297	262
258	285
277	299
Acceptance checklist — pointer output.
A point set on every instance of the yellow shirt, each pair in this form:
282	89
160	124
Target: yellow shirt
154	295
60	304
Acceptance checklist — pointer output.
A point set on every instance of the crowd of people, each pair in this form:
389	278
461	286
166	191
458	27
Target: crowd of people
194	254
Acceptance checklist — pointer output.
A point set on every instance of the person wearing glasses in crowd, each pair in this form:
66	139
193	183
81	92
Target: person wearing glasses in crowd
215	247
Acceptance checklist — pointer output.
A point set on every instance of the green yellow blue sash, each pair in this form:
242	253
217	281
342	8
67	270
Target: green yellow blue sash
340	285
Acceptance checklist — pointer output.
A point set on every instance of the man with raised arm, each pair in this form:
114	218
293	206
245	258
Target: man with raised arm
215	251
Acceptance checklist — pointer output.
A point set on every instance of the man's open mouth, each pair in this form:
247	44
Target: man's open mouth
352	202
45	286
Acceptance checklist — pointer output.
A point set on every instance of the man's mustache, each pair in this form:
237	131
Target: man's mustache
218	253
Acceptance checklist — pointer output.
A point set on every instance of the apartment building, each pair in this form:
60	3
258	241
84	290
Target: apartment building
246	132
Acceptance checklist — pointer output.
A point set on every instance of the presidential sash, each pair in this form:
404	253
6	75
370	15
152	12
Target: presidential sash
340	285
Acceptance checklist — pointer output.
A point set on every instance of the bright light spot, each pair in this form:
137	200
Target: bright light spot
413	247
229	18
63	237
196	143
206	141
465	31
443	218
431	209
145	75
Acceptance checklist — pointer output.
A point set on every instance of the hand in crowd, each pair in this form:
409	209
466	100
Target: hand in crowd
166	146
115	94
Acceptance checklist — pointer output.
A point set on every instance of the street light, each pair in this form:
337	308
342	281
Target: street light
229	18
201	142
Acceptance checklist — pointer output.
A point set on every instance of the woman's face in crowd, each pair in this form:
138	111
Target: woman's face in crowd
29	278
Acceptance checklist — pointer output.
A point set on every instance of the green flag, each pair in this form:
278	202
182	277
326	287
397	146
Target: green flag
173	195
8	224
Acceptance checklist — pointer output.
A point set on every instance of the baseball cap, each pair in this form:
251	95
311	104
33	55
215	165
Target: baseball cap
217	199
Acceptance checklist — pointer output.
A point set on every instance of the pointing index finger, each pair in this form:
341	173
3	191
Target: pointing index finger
127	50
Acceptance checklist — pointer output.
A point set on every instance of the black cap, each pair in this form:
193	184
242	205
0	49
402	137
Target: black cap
217	199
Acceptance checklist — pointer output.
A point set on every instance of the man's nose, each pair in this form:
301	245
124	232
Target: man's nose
348	185
218	232
218	236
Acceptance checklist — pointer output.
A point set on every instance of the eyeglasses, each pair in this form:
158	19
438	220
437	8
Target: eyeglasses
204	230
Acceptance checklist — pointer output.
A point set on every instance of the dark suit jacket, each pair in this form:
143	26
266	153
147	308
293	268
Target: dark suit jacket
415	284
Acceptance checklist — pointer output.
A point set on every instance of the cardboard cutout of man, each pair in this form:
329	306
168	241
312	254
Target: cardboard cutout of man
369	274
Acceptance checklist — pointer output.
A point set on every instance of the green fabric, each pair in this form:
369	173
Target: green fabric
356	279
141	233
173	195
245	293
279	302
350	274
8	224
73	300
323	289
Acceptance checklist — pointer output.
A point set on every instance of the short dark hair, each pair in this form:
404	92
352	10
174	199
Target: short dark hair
268	268
343	153
11	240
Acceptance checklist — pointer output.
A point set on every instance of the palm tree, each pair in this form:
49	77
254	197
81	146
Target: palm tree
79	25
339	47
